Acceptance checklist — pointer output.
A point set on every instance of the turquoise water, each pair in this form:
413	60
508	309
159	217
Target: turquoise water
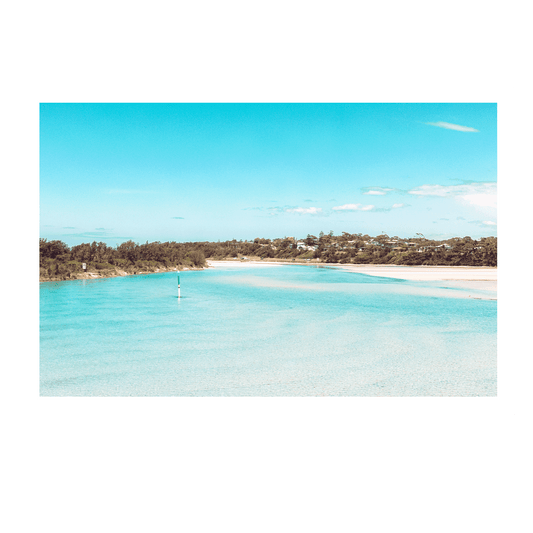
264	331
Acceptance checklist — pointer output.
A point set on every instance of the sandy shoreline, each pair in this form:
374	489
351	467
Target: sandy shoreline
417	273
427	273
453	277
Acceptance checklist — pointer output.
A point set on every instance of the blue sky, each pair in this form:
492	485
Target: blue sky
195	172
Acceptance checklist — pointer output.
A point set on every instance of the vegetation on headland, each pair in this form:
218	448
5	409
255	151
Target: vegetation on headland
362	249
59	262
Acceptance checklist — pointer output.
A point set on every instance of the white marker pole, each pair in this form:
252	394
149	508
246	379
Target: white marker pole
179	289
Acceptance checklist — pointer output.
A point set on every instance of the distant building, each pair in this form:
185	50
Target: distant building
302	246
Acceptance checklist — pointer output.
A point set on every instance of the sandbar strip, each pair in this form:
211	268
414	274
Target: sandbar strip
453	277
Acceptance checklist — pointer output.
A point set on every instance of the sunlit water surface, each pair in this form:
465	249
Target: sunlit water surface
265	331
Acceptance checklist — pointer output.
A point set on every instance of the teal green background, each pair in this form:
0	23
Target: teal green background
262	474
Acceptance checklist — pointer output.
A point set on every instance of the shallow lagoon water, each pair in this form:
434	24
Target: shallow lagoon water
273	331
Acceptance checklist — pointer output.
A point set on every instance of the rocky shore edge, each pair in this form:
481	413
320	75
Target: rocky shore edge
115	273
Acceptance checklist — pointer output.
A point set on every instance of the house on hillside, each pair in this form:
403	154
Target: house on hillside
300	245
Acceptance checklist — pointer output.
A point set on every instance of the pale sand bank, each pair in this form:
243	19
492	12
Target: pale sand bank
415	273
457	277
427	273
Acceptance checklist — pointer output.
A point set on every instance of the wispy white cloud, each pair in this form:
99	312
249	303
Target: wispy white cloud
481	199
449	126
432	190
177	218
482	223
277	210
305	210
386	209
479	194
376	191
373	208
353	207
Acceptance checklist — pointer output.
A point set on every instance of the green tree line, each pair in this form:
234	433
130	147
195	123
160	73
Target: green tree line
361	249
59	261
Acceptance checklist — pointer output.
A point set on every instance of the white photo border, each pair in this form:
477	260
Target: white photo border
30	403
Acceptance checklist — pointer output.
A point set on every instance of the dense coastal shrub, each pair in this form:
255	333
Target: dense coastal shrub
58	261
103	266
197	257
